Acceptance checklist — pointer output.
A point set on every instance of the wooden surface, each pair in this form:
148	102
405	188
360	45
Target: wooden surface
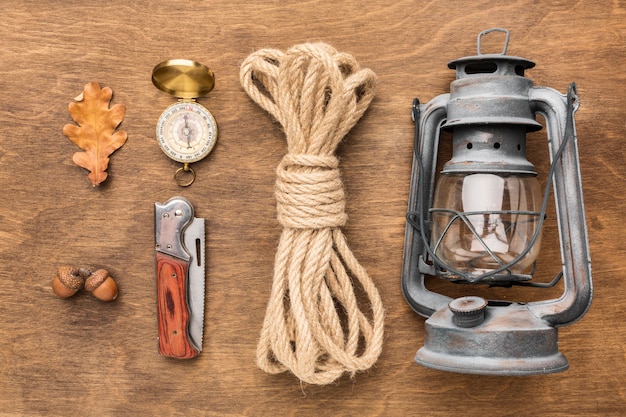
84	357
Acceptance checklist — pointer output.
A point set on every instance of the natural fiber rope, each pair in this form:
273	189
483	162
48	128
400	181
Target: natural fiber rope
313	325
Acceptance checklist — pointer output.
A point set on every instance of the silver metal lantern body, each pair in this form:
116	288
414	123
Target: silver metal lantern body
482	223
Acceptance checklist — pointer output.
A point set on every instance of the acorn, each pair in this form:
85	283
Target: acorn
67	281
101	285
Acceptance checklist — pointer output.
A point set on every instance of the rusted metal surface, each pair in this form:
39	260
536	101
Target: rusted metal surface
510	341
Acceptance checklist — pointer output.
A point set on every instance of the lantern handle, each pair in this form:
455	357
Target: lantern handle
428	120
506	41
558	111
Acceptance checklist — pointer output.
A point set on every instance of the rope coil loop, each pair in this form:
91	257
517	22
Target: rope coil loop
314	325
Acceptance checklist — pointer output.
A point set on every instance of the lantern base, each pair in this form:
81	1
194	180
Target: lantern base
510	341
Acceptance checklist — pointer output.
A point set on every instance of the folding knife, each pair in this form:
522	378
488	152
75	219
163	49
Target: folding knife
180	265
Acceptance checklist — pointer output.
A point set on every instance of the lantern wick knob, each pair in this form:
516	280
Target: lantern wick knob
506	41
468	311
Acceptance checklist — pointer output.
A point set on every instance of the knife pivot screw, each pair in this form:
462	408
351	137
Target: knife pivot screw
68	280
101	285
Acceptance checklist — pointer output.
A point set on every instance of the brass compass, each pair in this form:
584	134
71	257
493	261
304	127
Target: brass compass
186	130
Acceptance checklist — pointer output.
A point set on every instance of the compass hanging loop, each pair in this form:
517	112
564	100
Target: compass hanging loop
185	176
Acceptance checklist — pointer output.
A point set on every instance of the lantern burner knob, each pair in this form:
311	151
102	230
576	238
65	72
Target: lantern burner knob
468	311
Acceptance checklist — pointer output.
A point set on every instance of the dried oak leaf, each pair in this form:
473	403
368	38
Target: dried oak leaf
95	133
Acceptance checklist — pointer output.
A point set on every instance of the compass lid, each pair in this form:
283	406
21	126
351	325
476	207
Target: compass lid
183	78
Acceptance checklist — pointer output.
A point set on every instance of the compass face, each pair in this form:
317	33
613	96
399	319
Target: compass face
186	132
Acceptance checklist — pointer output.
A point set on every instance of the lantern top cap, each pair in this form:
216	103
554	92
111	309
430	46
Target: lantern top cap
519	63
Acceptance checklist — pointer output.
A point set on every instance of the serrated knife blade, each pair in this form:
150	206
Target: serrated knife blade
194	241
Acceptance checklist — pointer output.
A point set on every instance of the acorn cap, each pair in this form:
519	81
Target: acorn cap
70	277
96	279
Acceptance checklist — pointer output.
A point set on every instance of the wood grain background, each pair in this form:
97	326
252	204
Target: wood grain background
84	357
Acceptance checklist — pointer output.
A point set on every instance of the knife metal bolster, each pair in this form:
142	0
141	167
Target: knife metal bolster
171	219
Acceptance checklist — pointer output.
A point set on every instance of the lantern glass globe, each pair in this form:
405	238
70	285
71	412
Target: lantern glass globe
483	221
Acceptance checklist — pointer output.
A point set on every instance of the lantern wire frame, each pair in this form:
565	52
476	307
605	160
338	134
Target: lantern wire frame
418	220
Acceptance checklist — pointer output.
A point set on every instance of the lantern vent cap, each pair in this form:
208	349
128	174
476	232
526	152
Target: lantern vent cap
482	64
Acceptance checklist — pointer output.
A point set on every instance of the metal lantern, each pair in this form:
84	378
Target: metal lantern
482	222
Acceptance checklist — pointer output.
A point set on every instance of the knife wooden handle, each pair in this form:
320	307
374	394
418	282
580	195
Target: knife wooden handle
173	312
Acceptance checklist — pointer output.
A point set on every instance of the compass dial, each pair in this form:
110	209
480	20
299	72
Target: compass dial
186	132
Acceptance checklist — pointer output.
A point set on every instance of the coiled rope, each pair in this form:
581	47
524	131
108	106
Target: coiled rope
314	324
